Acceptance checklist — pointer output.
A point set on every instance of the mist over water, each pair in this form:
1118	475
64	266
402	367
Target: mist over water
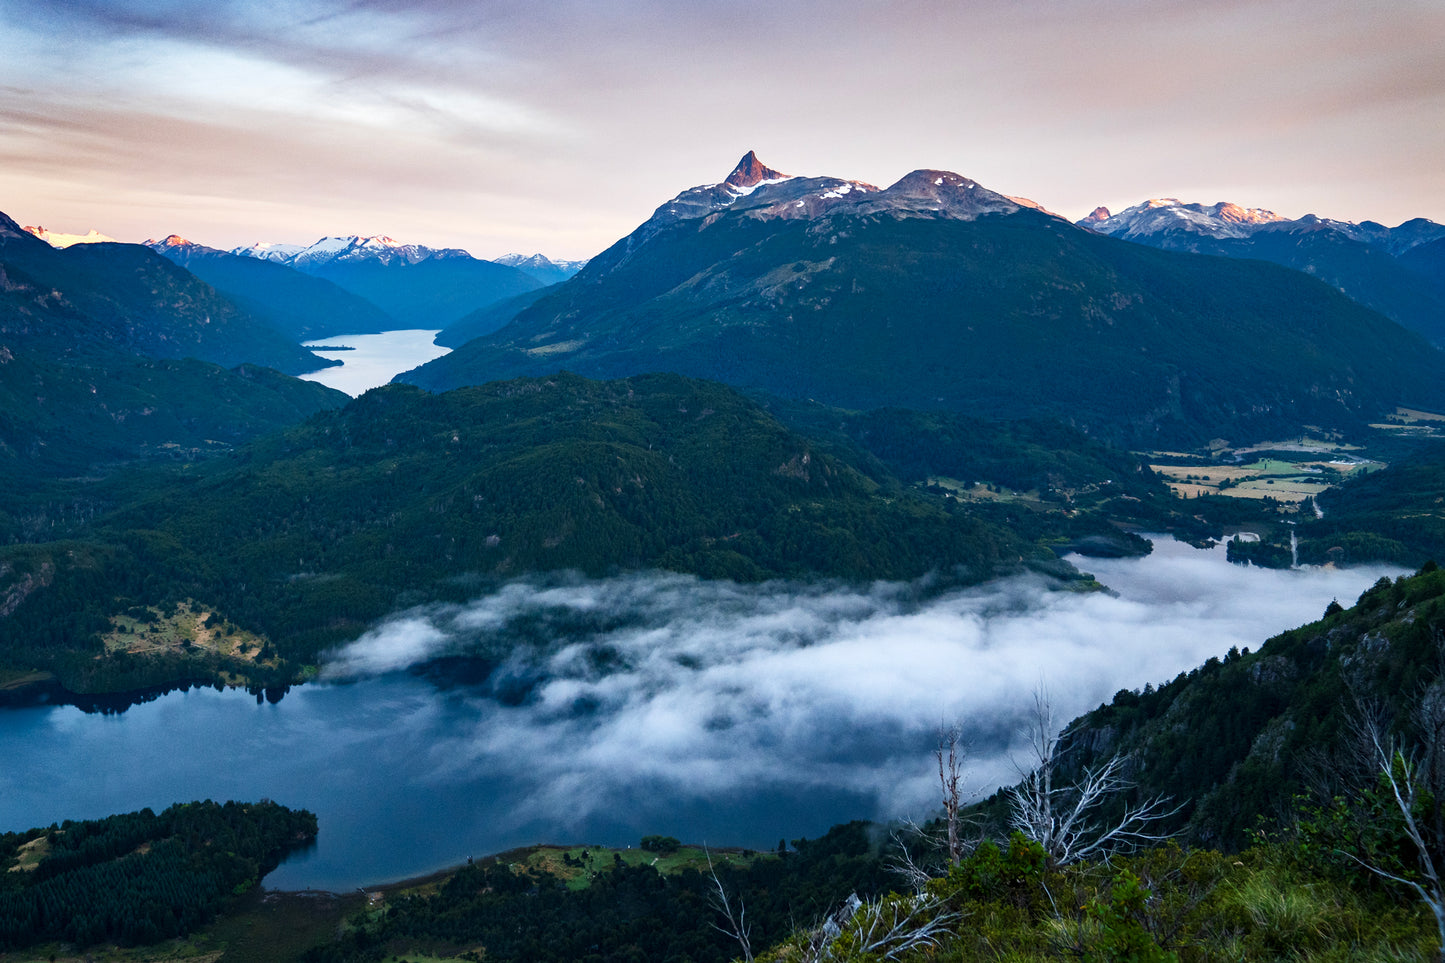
596	711
598	687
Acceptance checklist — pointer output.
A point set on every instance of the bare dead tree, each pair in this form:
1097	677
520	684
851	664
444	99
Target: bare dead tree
950	762
914	870
1415	780
737	923
1064	819
911	839
882	929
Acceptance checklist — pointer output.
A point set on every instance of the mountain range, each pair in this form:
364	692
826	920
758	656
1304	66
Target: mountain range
303	307
1374	264
937	293
91	298
542	268
109	353
418	286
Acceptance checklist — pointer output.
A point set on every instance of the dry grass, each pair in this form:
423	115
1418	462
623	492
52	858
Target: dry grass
1411	415
979	492
1267	478
188	626
30	854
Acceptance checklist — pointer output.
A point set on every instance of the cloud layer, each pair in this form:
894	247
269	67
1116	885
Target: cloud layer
589	692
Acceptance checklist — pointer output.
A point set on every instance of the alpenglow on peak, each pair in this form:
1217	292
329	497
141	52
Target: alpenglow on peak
750	172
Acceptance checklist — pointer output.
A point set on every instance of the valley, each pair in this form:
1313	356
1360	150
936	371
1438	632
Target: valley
702	539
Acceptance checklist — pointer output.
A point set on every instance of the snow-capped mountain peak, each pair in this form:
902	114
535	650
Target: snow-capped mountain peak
1169	214
538	262
178	249
750	174
59	239
170	240
355	247
269	251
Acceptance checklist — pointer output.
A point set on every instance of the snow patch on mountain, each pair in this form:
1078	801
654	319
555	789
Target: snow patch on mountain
1168	214
539	262
353	248
60	239
268	251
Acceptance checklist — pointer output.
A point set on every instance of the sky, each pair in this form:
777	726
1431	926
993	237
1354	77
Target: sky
559	125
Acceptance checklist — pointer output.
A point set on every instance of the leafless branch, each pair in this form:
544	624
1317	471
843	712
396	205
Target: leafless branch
883	929
1064	819
1405	777
737	924
950	760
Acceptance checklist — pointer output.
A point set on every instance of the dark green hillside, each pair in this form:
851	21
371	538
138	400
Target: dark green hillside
141	877
126	298
70	419
1364	272
1013	315
1394	515
487	319
1021	455
1367	272
1239	738
97	348
404	496
431	293
298	305
1428	262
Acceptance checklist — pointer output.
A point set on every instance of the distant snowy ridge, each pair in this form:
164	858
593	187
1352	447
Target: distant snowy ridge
539	262
175	244
354	248
1170	216
58	239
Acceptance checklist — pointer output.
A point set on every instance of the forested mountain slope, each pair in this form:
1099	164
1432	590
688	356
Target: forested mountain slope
404	496
98	349
939	294
302	307
1239	738
97	298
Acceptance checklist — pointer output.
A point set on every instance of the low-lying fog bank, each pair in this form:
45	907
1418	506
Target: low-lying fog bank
593	688
596	711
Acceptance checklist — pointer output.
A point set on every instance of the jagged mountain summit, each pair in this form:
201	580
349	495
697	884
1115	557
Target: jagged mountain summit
1224	220
419	286
1367	261
757	192
63	240
300	305
354	248
764	193
937	293
541	267
1169	214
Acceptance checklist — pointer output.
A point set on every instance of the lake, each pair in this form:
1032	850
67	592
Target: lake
374	359
720	713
